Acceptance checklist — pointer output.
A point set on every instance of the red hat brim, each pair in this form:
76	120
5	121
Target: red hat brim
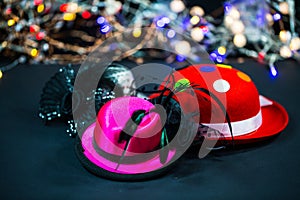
274	120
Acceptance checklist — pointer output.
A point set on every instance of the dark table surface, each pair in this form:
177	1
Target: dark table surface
38	161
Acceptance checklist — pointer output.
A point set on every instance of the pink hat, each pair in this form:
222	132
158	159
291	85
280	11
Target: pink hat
106	150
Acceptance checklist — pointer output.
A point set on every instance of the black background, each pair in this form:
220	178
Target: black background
38	162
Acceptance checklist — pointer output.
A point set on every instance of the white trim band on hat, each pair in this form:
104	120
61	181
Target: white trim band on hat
239	127
242	127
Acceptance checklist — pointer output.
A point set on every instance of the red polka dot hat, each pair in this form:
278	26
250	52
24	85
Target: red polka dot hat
251	116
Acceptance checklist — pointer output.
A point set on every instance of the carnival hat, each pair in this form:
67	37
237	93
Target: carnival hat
124	142
230	103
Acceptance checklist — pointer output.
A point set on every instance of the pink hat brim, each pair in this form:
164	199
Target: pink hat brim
146	166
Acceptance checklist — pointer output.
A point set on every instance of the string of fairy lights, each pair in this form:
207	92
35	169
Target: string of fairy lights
47	31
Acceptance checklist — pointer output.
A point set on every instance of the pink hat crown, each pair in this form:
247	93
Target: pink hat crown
112	126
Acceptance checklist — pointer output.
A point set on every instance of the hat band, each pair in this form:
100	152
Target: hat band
238	127
242	127
132	159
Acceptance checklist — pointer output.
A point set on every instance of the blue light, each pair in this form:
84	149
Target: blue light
166	20
213	55
260	21
185	23
227	7
101	20
171	33
160	23
273	71
180	58
105	29
207	69
219	59
276	16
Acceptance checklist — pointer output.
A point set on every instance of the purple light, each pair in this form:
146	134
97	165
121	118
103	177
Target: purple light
171	33
113	46
204	29
276	16
180	58
105	29
100	20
